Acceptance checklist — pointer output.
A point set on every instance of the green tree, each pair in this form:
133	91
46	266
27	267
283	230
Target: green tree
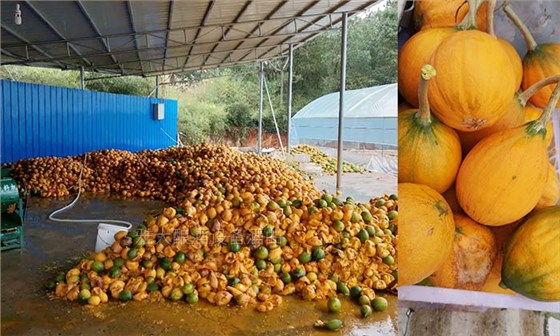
54	77
130	85
383	45
313	79
201	121
239	121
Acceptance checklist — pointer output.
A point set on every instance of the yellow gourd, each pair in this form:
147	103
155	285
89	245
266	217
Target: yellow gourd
478	77
551	194
414	53
504	175
541	61
437	13
429	151
426	231
471	258
476	81
517	113
531	266
501	236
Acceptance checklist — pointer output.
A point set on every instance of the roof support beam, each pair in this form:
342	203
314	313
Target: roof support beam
6	52
274	10
41	51
330	10
261	86
108	76
235	20
95	29
202	67
82	77
131	18
177	29
334	23
51	27
240	38
169	19
159	60
129	51
203	21
303	11
290	86
340	142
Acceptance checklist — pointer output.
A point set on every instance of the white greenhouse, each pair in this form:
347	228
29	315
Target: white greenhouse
370	119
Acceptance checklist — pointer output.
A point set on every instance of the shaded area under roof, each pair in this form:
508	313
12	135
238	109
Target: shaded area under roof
160	37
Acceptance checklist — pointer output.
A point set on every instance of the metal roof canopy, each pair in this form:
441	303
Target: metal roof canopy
148	38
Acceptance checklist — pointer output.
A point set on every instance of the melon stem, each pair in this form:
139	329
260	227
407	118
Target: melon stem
550	107
529	39
472	12
527	94
490	17
427	72
469	21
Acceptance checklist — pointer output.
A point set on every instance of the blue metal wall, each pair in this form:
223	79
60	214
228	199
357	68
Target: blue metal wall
40	120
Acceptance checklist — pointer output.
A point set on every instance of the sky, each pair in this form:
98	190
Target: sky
374	8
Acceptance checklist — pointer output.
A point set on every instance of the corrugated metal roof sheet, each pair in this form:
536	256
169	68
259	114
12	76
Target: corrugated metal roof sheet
156	37
372	102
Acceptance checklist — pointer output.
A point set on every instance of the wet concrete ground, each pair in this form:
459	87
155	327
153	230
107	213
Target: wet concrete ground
360	186
27	310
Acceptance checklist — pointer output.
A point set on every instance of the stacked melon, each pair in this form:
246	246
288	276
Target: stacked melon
473	156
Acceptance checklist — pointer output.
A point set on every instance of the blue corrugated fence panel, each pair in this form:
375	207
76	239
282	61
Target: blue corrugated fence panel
4	123
40	120
28	136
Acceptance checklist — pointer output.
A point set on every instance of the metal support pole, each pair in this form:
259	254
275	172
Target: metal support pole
81	78
261	87
273	116
157	86
343	42
290	78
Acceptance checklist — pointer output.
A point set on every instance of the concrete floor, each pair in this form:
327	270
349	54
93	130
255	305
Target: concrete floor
360	186
435	320
27	310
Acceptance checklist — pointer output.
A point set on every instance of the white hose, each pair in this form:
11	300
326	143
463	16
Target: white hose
112	221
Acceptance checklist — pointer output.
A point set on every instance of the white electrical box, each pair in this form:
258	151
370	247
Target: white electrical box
159	111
